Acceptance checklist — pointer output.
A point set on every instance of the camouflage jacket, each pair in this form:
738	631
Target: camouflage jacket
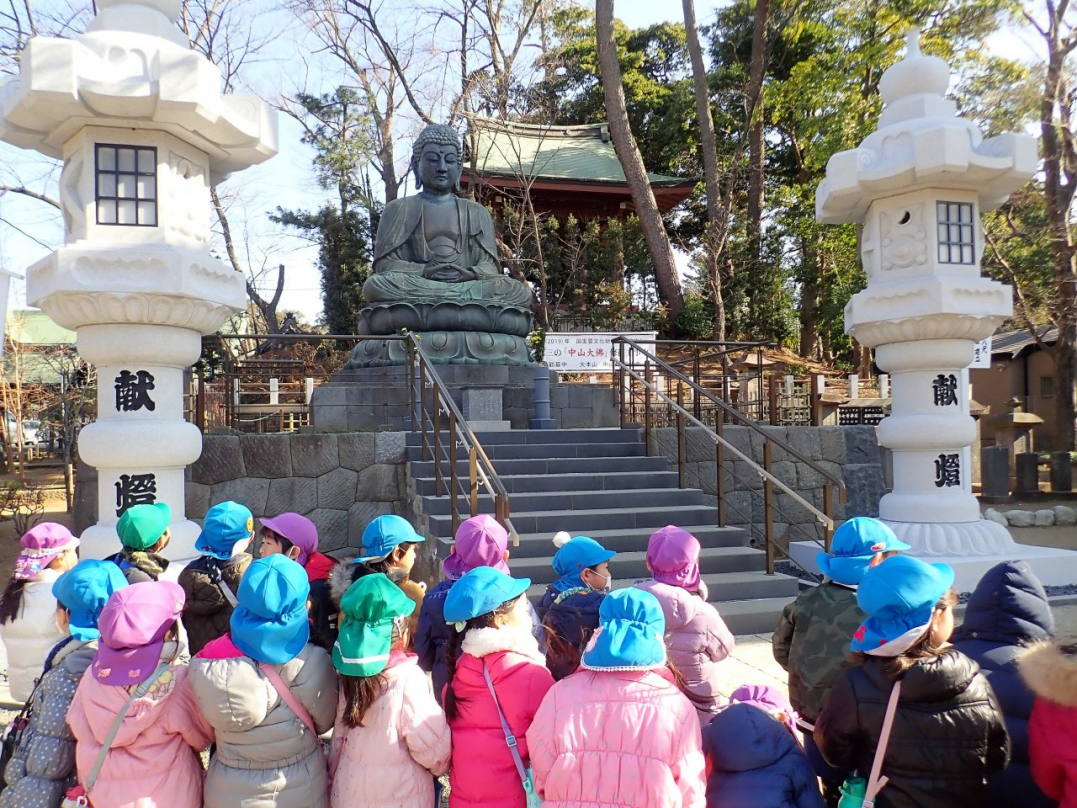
812	641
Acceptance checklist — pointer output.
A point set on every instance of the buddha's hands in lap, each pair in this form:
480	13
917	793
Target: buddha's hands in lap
448	273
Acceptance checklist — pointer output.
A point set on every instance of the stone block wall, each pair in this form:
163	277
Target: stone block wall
340	482
852	453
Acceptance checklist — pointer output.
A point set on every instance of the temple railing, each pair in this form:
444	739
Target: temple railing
648	387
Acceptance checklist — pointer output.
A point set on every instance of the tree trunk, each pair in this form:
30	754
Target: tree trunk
756	71
717	213
654	229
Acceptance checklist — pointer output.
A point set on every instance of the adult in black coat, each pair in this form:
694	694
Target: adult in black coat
1007	612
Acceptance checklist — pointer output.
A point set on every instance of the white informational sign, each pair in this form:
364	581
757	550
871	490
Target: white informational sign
981	354
588	352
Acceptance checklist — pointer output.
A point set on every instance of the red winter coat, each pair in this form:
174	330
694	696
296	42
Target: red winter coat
1052	730
483	771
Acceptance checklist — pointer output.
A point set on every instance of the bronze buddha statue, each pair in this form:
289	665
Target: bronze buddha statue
436	272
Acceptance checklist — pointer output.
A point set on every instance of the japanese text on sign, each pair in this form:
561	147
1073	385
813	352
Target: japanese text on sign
133	391
135	489
981	354
587	352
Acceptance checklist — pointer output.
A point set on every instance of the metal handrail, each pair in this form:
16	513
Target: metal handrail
479	466
825	515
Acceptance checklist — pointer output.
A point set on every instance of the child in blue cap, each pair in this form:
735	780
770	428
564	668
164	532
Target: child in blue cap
268	692
569	608
948	732
812	639
621	731
389	544
42	767
211	581
491	650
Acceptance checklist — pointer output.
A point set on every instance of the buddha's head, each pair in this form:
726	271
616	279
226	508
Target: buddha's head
436	159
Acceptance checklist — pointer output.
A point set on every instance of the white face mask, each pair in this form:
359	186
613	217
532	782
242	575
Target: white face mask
240	547
606	587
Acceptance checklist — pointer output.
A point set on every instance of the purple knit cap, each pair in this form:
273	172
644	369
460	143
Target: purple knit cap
41	544
133	625
480	542
769	700
297	529
674	557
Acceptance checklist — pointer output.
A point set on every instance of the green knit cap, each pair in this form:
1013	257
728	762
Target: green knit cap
368	610
142	526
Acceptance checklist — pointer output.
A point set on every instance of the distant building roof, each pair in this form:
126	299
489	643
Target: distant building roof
1012	343
34	327
560	158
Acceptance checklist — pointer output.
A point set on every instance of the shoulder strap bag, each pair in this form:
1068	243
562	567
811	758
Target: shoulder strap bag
79	796
288	697
526	778
875	781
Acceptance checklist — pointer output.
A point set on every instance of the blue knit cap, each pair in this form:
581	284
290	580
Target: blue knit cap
854	544
384	534
574	557
270	623
226	525
899	597
630	636
83	591
479	592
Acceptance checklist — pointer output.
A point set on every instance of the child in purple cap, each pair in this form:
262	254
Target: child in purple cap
696	635
152	760
480	542
28	608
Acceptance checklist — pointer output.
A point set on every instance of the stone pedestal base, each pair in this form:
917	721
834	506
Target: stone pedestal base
446	348
971	548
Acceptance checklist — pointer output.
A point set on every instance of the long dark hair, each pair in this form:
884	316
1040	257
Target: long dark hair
11	600
452	650
924	648
360	692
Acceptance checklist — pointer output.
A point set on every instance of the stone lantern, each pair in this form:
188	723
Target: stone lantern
919	185
143	128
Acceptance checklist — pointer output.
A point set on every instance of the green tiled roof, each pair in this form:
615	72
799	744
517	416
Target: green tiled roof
34	327
578	153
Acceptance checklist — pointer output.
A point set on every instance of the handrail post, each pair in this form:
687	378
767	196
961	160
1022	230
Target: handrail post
473	480
412	408
454	480
647	406
828	509
768	507
719	451
422	407
439	477
682	467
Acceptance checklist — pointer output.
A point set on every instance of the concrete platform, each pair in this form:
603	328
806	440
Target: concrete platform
1052	566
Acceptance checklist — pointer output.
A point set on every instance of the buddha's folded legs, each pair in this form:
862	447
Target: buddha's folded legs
391	287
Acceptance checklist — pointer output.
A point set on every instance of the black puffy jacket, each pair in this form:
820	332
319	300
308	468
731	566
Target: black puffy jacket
948	731
1008	612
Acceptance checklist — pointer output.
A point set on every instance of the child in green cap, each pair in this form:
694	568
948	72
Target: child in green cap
144	534
390	734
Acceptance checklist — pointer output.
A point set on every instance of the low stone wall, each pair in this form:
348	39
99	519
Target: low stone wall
851	452
340	482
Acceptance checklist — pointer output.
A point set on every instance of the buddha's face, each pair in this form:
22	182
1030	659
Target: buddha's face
438	168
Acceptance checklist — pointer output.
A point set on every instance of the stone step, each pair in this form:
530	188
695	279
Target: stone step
755	616
625	540
552	465
633	566
544	437
611	481
583	522
580	499
521	451
726	590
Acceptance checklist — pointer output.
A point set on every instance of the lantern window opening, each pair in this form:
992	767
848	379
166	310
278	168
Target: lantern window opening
957	238
126	185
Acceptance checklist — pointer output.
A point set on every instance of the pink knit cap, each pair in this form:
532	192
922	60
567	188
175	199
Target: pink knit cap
133	625
674	557
481	541
41	544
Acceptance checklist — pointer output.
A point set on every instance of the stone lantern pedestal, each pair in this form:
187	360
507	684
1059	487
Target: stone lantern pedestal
919	185
143	130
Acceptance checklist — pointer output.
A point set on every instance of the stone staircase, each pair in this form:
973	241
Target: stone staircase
600	483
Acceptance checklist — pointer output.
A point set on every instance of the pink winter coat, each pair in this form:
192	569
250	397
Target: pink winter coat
153	762
391	760
697	640
617	738
483	772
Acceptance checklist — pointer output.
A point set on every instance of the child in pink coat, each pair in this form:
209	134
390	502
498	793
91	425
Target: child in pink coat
153	760
696	636
390	738
490	635
619	732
